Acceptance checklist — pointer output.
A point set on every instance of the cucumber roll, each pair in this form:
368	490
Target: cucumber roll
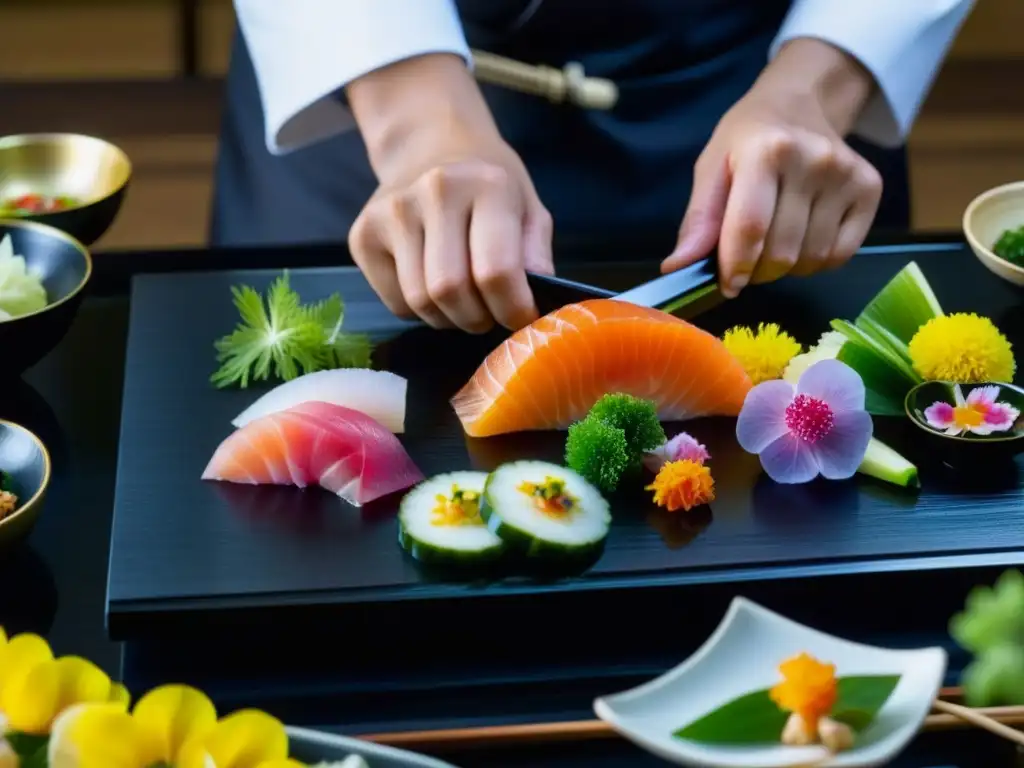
546	510
439	521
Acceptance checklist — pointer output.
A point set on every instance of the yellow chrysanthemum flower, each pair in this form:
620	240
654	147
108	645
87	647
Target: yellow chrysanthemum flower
963	348
765	354
35	687
174	726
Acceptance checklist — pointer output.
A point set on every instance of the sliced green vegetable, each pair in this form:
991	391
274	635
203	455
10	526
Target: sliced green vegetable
883	463
905	304
459	538
512	510
755	719
883	337
863	339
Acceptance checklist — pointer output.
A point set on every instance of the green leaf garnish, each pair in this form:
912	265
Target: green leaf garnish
904	304
284	338
755	719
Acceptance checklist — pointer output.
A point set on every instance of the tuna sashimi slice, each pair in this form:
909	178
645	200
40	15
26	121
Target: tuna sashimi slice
316	443
550	373
379	394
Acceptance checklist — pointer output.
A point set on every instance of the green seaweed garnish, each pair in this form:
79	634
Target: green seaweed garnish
599	452
1010	246
6	482
636	417
283	337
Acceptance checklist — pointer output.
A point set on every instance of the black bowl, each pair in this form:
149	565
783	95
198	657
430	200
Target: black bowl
26	462
64	265
969	450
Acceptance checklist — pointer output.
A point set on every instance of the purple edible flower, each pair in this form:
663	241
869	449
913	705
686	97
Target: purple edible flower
680	447
818	427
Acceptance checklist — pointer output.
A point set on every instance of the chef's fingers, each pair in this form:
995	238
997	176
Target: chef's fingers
538	229
748	216
496	247
858	219
400	228
376	261
445	205
702	223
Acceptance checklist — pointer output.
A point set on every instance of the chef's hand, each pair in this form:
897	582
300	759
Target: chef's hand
777	188
456	221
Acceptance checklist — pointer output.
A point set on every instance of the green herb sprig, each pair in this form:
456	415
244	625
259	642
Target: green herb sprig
280	336
1010	246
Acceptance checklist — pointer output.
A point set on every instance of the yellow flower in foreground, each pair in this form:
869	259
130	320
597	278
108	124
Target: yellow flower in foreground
765	354
35	687
963	348
174	726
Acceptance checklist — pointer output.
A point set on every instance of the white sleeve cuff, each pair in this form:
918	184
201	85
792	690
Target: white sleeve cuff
304	51
900	42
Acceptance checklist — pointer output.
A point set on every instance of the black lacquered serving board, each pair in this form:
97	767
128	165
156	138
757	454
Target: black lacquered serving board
184	550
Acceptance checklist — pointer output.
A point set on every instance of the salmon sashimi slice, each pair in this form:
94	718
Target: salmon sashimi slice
550	373
316	443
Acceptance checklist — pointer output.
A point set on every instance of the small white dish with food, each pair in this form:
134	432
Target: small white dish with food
742	656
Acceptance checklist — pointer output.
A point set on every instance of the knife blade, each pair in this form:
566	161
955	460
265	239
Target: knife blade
684	293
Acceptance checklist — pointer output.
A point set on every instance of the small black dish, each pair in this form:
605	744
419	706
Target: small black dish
969	451
64	265
26	465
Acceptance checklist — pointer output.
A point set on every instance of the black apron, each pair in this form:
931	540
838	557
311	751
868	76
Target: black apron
679	65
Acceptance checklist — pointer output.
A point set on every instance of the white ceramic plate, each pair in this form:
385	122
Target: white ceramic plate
312	747
743	655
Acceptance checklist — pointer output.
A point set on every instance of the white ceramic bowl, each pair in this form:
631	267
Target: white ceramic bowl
986	218
742	655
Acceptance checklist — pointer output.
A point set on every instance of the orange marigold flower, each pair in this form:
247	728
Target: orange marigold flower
683	484
808	688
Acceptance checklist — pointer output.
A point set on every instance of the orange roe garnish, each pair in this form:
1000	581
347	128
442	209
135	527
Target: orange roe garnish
683	484
461	508
550	497
808	688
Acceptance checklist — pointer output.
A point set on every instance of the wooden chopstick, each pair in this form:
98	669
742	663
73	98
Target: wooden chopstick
948	716
559	85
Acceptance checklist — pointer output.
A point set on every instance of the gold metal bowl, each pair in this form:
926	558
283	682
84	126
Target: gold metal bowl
25	460
92	171
989	215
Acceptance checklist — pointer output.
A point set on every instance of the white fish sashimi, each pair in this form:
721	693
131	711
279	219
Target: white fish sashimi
380	395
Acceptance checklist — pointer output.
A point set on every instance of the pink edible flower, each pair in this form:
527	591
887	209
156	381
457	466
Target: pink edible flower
819	427
679	448
979	413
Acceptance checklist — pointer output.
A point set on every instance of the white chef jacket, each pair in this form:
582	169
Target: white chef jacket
304	51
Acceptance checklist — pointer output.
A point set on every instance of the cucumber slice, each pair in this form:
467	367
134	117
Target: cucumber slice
883	463
512	513
425	535
905	304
